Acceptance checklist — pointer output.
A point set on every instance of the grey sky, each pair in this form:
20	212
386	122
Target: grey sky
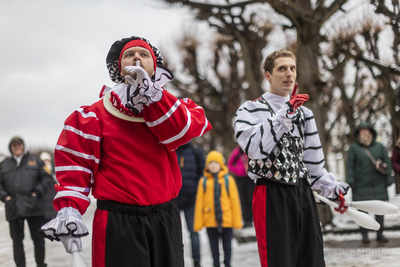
53	57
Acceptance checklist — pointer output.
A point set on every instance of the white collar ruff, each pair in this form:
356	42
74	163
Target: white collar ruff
115	112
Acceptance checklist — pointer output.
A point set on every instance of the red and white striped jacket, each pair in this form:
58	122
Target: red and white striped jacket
130	162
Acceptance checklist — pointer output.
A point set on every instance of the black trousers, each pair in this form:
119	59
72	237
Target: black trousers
226	237
288	229
141	236
17	236
246	187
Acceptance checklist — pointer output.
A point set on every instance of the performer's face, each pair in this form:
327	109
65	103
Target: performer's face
133	54
283	76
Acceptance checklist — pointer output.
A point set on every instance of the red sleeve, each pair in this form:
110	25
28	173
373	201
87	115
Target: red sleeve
77	157
175	121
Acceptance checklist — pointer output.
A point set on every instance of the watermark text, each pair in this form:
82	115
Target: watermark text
355	251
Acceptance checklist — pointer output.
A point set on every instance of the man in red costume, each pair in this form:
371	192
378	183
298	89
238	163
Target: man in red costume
122	149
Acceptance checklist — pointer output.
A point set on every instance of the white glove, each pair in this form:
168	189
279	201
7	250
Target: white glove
329	187
143	90
67	242
342	188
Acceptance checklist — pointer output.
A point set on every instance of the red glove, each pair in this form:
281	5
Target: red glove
297	100
342	208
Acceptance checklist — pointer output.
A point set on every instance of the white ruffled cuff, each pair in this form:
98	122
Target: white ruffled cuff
68	222
329	187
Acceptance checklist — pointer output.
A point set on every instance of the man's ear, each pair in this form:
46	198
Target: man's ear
268	76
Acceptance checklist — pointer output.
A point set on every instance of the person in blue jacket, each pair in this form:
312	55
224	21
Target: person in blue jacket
191	163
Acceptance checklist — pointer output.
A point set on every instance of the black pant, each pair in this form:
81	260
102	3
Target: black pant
226	236
17	235
246	187
142	236
287	224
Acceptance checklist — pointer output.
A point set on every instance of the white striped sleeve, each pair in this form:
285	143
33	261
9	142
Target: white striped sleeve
68	193
313	155
82	134
258	130
78	154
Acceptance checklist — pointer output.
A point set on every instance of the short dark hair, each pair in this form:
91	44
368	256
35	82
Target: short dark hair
270	60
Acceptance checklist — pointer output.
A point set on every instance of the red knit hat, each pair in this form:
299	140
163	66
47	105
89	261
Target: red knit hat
141	43
113	56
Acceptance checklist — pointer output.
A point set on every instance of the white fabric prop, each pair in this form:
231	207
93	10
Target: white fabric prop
67	242
76	258
68	223
143	91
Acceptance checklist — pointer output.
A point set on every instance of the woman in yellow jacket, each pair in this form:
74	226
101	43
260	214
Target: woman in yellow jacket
217	206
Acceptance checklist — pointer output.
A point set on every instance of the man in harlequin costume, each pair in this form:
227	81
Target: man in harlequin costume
280	138
121	148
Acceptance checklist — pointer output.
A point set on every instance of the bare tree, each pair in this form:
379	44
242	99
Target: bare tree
370	95
373	91
218	84
389	75
305	16
232	75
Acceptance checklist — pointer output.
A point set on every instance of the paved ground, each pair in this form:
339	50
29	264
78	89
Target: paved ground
344	250
393	243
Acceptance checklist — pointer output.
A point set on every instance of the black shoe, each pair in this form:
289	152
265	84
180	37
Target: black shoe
381	238
365	239
197	264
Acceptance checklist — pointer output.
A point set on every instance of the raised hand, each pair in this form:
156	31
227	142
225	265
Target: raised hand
143	91
297	100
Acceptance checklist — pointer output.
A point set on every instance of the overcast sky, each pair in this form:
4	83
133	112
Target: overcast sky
52	57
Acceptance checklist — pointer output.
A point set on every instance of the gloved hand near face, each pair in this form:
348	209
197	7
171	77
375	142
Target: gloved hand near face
143	91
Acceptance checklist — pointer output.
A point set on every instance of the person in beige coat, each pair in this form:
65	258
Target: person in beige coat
218	206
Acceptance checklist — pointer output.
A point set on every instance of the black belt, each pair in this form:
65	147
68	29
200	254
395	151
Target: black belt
118	207
267	181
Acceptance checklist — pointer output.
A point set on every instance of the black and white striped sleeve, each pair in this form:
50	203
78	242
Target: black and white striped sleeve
314	159
258	130
313	155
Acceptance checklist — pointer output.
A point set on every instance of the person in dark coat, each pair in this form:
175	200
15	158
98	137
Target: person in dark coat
366	181
23	182
191	161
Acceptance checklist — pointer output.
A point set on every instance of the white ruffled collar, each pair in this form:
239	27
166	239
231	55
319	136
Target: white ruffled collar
276	102
114	100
